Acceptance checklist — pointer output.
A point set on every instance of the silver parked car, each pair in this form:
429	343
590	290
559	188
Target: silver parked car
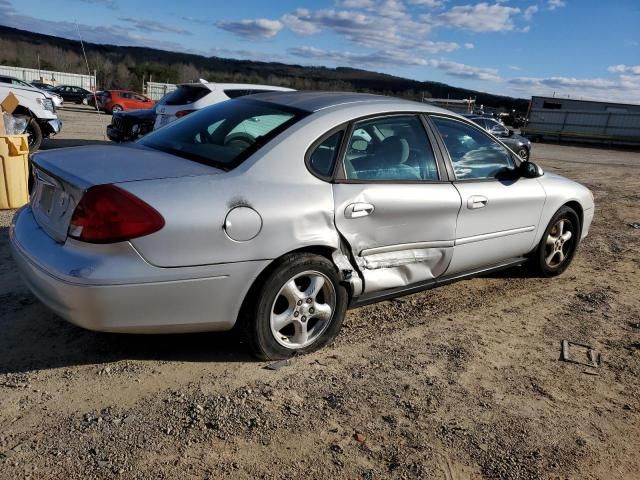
517	143
278	211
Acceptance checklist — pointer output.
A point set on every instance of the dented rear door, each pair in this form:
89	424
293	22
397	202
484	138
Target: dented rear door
393	208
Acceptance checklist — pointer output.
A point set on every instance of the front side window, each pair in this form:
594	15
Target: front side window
323	157
224	134
390	148
473	153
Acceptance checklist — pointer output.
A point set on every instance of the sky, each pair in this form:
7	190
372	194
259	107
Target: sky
586	49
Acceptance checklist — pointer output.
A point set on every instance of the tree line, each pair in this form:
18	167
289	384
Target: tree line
128	67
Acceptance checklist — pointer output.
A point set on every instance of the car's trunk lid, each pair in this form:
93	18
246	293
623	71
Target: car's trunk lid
62	176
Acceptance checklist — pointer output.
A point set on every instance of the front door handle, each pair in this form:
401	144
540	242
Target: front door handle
477	201
357	210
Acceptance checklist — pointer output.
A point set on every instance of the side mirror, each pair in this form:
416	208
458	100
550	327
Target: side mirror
530	170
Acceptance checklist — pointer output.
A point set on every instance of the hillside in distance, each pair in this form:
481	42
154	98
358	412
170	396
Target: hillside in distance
127	67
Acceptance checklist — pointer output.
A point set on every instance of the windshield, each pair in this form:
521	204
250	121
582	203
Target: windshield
224	134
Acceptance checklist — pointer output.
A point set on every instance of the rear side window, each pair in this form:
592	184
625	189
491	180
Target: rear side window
185	94
390	149
224	134
323	157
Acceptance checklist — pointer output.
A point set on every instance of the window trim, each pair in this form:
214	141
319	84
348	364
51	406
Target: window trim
514	158
312	148
340	173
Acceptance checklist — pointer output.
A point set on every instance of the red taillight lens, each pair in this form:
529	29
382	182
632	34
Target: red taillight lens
183	113
109	214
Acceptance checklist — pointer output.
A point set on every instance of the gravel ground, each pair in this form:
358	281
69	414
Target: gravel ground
456	383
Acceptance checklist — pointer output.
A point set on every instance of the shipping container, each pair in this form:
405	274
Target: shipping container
569	120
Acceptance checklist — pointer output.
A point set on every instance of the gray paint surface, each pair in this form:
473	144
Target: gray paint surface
191	275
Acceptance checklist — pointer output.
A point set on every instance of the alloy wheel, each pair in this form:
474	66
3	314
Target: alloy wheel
303	309
559	243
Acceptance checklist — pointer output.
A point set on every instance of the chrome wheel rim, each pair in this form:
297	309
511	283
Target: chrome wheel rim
558	244
303	309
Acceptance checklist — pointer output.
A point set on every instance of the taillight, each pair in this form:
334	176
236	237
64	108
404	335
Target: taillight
109	214
183	113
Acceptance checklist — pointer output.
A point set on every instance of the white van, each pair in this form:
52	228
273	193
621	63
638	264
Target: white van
189	97
37	108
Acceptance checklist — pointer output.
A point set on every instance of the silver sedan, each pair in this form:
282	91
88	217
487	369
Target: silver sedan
277	212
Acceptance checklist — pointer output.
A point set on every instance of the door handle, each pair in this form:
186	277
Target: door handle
477	201
357	210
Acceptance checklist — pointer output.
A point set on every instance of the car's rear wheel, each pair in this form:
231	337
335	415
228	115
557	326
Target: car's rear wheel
558	244
116	108
299	308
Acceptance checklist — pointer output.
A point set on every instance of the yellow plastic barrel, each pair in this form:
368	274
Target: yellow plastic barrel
14	171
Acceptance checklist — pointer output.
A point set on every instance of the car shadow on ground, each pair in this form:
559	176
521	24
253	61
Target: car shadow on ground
32	338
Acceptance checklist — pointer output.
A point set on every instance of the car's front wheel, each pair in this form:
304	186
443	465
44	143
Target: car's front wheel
299	308
116	109
558	244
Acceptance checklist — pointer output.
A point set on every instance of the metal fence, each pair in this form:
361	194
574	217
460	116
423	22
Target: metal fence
597	127
48	76
157	90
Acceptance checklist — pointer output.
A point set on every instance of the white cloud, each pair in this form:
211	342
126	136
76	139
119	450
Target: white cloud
355	3
553	4
428	3
360	60
461	70
514	67
624	89
480	17
529	12
632	69
258	28
146	25
469	45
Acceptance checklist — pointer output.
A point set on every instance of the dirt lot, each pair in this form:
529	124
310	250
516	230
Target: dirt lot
460	382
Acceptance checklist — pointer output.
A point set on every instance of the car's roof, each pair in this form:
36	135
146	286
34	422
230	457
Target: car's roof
315	101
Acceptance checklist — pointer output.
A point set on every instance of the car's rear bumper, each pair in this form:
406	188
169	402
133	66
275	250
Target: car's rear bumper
90	287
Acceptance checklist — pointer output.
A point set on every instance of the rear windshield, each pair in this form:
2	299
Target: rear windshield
224	134
185	94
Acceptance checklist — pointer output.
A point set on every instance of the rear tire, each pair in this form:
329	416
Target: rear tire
558	244
298	309
116	108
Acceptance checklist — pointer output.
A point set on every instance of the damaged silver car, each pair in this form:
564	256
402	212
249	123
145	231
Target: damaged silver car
277	212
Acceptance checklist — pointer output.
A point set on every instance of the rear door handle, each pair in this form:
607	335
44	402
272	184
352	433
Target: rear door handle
357	210
477	201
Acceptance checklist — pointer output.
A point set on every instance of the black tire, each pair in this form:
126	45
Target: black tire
257	313
35	134
539	259
116	109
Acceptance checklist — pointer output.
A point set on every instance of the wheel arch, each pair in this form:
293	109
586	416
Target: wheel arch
321	250
577	207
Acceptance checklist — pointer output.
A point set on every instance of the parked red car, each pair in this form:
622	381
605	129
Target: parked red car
119	100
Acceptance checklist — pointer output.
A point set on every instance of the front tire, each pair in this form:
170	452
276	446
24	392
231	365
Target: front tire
299	308
558	244
34	134
116	109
